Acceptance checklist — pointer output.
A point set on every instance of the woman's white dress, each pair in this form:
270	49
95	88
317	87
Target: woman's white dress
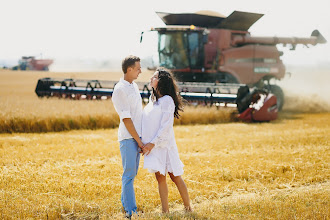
157	128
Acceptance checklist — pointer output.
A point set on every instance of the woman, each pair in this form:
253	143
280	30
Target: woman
160	149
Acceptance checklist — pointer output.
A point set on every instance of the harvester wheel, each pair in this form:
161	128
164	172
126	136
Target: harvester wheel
278	92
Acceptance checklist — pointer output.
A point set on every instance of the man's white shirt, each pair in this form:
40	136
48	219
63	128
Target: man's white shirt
127	101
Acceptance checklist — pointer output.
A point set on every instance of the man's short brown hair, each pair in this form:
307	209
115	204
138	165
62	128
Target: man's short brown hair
128	62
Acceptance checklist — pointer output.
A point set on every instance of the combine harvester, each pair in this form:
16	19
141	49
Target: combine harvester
212	57
209	47
31	63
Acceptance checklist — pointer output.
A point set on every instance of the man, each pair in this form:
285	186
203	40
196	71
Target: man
127	101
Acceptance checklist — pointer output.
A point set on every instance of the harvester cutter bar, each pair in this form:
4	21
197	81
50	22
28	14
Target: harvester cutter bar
207	93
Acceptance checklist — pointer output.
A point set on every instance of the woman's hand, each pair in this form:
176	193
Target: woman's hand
147	148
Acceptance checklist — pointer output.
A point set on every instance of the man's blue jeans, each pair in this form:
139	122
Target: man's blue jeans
130	156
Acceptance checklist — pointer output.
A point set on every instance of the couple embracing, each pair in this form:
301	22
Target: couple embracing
149	131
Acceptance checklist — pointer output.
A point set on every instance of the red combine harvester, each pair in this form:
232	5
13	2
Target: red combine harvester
31	63
205	47
215	60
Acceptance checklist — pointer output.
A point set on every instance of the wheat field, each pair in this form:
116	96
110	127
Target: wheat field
23	111
233	170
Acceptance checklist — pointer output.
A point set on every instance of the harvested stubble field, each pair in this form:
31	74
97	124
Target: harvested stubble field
233	170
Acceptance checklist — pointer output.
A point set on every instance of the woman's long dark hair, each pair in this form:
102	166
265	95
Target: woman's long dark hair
167	86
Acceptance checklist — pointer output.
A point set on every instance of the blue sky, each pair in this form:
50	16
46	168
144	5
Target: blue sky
104	29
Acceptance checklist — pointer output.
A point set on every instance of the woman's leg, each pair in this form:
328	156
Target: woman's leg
180	184
163	191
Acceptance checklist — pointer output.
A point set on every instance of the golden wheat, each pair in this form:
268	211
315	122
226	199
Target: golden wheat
274	170
277	170
45	115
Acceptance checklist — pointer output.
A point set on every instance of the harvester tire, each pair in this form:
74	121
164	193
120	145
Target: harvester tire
278	92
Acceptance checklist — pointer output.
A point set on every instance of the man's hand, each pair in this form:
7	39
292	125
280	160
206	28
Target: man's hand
141	146
147	148
131	129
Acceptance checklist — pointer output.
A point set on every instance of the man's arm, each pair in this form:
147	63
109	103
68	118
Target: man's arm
121	105
131	129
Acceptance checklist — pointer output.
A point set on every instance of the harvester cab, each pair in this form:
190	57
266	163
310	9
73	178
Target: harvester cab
25	63
207	47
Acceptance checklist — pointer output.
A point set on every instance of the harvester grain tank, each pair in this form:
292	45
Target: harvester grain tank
204	47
